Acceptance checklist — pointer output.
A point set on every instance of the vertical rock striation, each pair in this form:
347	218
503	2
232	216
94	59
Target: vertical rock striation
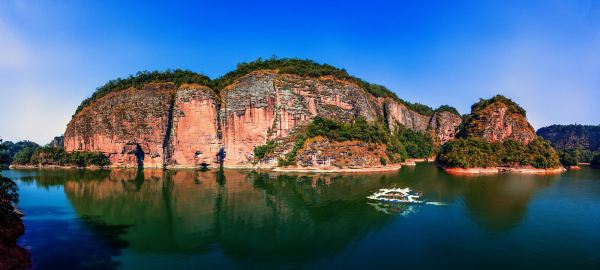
129	126
194	138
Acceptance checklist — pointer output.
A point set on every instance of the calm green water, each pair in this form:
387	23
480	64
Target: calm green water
240	219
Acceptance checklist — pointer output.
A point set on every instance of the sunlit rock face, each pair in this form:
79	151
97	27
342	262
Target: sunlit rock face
127	126
162	125
399	114
496	123
194	139
265	105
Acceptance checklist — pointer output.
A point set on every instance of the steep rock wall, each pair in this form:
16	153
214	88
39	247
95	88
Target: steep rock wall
397	113
264	105
194	136
444	126
128	126
495	123
185	127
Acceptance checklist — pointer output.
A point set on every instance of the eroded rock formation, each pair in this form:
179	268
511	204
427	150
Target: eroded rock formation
164	125
497	121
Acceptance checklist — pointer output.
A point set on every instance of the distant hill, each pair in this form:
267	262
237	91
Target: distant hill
581	142
572	136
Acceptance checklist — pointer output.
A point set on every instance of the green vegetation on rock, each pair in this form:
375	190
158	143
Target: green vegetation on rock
512	106
57	156
401	144
302	67
447	108
478	153
262	150
178	77
471	126
290	158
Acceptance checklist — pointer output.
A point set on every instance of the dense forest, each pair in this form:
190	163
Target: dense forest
282	65
478	153
8	150
30	153
401	144
575	143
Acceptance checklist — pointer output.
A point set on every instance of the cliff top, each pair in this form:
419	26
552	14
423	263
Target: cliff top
178	77
496	119
302	67
513	107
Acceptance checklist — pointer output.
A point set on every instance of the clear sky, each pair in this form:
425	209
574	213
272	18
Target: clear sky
545	55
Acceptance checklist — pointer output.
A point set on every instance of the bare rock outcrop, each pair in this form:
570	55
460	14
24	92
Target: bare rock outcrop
496	120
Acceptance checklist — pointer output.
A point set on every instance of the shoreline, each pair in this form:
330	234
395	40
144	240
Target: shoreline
332	169
326	169
15	166
495	170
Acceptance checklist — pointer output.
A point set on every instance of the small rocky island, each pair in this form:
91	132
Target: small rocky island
496	137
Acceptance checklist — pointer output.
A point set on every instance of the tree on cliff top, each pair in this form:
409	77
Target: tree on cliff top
474	122
177	76
512	106
303	67
310	68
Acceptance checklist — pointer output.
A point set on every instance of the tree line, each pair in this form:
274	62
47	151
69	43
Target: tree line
474	152
30	153
303	67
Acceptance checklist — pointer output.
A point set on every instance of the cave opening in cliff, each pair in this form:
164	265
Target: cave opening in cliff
139	155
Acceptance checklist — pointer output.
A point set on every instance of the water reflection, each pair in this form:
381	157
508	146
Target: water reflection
265	218
249	215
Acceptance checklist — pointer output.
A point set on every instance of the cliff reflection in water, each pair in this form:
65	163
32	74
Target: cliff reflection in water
261	216
249	215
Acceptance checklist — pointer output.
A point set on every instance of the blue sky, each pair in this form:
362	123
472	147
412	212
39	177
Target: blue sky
543	54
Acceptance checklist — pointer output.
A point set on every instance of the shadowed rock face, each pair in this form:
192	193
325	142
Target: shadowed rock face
160	125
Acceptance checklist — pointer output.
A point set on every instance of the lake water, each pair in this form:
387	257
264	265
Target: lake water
155	219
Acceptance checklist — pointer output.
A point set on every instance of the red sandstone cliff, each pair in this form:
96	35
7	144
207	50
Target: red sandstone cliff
127	126
496	120
162	125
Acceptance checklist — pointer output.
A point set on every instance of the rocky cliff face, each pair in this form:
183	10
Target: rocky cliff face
194	137
496	121
185	126
129	126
